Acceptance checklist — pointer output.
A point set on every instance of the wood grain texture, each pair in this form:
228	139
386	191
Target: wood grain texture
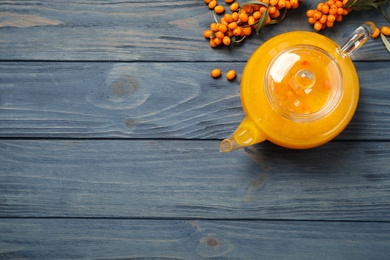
191	179
151	100
177	239
165	30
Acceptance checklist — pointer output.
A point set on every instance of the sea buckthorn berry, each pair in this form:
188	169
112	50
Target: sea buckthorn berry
376	33
226	40
288	4
219	35
232	25
228	18
207	34
231	74
317	15
325	9
229	1
237	31
222	28
212	43
317	26
219	9
212	4
319	6
235	16
323	18
329	24
215	73
311	20
281	4
243	17
331	18
251	20
207	1
247	31
385	30
234	7
310	13
257	15
217	41
273	2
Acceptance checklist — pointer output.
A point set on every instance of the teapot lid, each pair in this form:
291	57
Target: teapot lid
303	83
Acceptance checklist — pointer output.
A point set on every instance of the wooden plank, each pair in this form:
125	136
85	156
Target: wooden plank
139	100
165	30
191	179
178	239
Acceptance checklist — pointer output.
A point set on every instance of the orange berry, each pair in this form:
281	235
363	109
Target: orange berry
310	13
251	20
247	31
376	33
207	1
317	15
273	2
222	28
317	26
323	18
257	15
235	16
217	41
325	9
212	4
228	18
294	3
333	10
329	24
219	35
226	40
212	43
234	7
232	25
215	73
243	17
385	30
231	74
319	6
276	14
229	1
340	11
207	34
219	9
272	9
339	18
214	27
331	18
281	4
339	4
311	20
237	31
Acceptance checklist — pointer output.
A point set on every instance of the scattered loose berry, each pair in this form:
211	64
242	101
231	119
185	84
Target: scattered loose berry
231	75
216	73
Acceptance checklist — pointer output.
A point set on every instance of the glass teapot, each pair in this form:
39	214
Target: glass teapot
298	90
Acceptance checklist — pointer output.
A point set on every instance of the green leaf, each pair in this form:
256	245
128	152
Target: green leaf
385	42
385	14
262	21
361	5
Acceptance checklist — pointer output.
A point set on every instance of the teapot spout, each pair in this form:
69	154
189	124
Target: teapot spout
246	134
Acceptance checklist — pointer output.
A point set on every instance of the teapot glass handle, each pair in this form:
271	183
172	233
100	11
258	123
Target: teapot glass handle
357	38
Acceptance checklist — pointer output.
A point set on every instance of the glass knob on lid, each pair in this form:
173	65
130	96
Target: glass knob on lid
303	83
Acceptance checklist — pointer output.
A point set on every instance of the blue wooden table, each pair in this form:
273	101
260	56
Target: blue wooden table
109	131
